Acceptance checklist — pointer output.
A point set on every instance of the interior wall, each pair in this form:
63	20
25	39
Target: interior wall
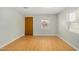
37	31
63	32
11	25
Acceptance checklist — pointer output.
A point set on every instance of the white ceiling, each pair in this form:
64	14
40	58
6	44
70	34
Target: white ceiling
39	10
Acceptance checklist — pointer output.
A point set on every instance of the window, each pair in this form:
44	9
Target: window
72	16
74	27
74	24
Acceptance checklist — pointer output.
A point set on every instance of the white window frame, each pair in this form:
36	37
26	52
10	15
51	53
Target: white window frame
72	20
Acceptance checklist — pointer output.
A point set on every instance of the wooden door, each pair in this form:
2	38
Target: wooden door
28	25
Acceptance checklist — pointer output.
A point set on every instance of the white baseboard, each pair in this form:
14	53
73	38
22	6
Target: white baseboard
69	43
11	41
44	35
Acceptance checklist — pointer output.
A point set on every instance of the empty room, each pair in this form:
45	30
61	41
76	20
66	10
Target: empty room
39	28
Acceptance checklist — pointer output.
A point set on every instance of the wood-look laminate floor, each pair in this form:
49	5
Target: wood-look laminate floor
39	43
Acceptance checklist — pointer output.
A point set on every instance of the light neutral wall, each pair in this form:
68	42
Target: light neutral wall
71	38
37	31
11	25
